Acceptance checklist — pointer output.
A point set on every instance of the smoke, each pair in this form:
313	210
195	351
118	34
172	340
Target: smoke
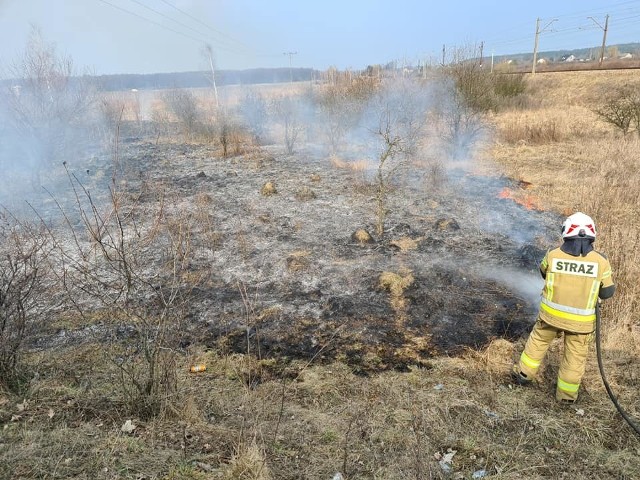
45	120
526	284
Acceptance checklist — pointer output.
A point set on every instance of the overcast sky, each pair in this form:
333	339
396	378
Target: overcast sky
145	36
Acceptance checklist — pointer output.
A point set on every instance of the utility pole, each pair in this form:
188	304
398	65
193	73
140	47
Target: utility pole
209	52
491	61
444	51
481	53
535	45
604	35
291	54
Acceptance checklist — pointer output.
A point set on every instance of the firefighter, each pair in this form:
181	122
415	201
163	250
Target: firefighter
575	276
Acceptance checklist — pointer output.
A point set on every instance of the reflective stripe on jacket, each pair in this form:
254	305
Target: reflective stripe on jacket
571	289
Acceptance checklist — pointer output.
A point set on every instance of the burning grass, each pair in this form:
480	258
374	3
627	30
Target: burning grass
528	201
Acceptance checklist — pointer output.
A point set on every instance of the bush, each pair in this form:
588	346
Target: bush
509	85
484	91
23	275
622	110
183	106
340	105
289	112
474	84
253	110
140	278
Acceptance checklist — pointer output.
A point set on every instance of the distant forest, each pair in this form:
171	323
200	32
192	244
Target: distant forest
152	81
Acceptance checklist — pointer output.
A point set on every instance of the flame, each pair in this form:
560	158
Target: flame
528	201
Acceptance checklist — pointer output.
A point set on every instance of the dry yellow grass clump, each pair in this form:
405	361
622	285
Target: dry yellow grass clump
268	189
396	284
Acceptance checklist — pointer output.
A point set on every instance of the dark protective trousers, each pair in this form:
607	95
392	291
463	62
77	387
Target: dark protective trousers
574	358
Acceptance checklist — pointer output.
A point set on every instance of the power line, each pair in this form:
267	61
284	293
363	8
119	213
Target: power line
204	35
148	20
167	17
618	18
219	32
610	8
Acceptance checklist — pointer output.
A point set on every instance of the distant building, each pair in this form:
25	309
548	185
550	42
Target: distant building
626	56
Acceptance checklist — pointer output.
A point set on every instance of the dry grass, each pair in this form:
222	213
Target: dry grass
396	284
356	166
299	260
322	421
361	236
404	244
268	189
590	168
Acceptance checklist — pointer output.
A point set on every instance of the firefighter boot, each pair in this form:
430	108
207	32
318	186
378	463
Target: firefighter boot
519	377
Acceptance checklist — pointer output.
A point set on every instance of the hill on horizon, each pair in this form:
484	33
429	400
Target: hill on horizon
586	53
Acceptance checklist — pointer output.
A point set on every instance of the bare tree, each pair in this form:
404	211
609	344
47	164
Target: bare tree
400	114
47	104
208	52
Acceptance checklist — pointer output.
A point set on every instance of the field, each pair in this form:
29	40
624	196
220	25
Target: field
357	319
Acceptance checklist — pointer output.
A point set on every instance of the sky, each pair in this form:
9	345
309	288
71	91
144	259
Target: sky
149	36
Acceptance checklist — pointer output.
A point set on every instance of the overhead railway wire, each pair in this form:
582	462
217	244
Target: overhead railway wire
206	25
198	39
621	16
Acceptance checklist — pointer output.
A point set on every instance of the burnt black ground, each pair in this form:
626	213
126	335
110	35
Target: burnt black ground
312	291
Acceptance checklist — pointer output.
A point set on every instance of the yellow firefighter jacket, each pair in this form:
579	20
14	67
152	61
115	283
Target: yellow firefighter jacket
571	289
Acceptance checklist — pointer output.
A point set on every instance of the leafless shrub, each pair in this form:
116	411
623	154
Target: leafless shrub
482	90
509	84
23	283
288	112
233	137
112	110
473	83
254	113
460	125
139	275
183	106
160	121
622	110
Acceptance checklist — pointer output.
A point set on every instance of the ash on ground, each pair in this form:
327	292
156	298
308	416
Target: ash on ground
289	272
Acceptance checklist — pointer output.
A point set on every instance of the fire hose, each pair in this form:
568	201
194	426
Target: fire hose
613	398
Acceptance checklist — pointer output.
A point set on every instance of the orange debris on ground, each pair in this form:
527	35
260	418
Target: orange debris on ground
530	202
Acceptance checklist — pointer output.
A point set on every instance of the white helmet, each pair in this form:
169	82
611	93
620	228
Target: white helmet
579	225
